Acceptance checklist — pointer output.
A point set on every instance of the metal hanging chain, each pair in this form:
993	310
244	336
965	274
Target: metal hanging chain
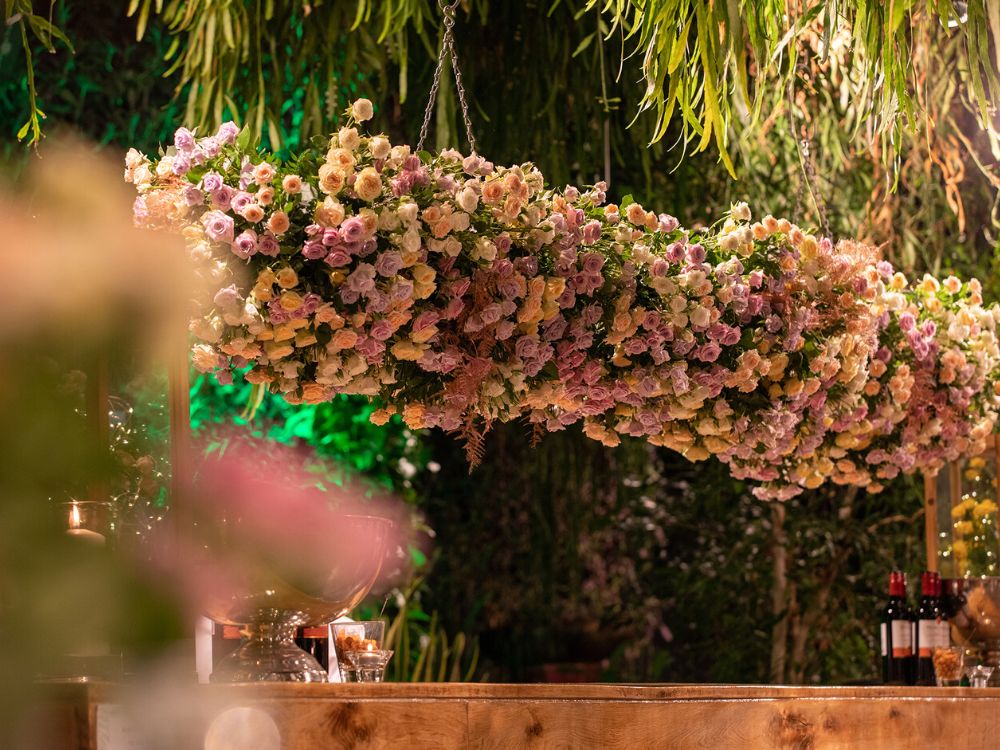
447	48
803	143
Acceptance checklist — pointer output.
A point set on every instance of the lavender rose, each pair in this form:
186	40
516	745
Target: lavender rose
245	245
218	226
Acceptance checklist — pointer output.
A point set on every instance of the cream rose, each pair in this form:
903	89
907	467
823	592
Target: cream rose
204	357
331	179
362	110
349	138
330	213
368	186
342	158
380	147
467	199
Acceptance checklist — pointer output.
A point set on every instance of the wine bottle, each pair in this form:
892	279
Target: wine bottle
897	633
315	641
932	628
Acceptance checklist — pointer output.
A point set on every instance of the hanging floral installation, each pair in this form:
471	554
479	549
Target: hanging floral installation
460	294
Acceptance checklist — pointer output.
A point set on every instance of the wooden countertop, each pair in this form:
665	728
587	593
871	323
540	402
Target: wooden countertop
461	715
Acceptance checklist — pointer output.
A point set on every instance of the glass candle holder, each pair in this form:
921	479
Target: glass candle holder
357	638
88	520
979	675
369	665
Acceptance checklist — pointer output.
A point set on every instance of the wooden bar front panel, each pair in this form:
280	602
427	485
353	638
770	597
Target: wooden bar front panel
466	716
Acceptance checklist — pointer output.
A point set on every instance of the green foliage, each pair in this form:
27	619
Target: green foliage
19	14
423	650
111	90
339	430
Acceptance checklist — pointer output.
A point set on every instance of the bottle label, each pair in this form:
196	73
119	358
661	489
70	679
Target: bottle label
884	637
902	638
323	632
925	638
932	634
942	634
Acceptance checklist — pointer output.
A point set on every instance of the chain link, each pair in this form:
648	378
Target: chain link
803	144
447	48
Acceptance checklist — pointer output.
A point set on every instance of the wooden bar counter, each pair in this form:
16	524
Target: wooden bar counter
393	715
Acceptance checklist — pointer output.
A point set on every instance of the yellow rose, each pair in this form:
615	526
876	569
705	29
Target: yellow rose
959	549
291	301
424	334
928	285
286	277
304	338
275	350
284	332
808	248
963	528
408	351
983	509
423	274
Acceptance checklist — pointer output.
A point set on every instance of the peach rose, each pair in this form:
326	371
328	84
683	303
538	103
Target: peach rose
343	339
205	358
253	213
314	393
278	223
263	173
265	196
636	214
292	184
492	192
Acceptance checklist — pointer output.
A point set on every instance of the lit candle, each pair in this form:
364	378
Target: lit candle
76	527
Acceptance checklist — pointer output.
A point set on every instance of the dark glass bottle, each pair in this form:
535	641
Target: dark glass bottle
225	640
315	641
931	628
896	633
